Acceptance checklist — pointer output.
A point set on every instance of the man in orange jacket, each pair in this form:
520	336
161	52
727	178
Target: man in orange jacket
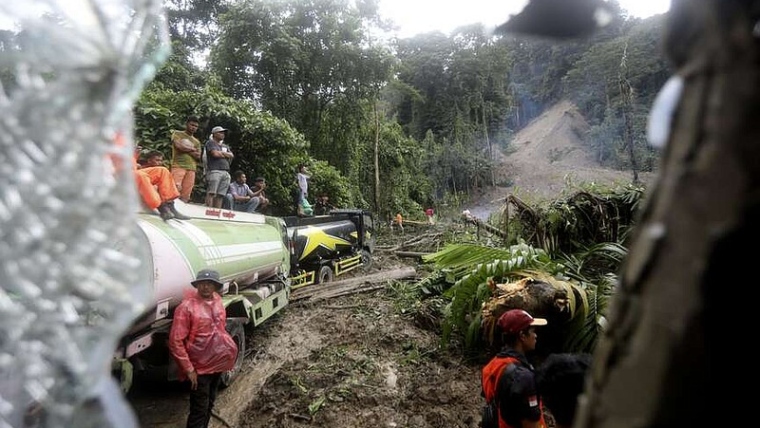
154	183
157	189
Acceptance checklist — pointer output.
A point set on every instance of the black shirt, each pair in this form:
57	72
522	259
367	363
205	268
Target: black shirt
516	391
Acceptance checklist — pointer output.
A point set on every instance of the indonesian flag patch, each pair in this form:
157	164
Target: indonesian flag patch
533	401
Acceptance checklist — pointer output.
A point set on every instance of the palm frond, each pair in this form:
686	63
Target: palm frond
458	255
432	284
581	336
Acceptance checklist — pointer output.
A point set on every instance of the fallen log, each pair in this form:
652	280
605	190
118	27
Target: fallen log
411	254
467	217
352	285
414	241
362	289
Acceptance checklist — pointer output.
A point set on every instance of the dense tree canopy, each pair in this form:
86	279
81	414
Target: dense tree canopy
390	124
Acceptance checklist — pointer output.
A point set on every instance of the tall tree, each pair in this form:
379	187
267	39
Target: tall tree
460	94
310	62
192	23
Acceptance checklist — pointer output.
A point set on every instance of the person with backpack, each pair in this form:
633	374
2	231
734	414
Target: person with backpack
508	380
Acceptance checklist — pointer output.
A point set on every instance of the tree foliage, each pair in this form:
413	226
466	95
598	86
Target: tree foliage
192	23
433	108
311	63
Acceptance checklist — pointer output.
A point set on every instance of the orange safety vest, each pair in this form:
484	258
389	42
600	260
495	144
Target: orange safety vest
490	376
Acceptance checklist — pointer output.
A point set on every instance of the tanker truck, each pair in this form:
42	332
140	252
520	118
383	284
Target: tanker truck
326	246
251	253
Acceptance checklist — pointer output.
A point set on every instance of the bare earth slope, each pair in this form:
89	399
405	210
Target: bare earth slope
547	158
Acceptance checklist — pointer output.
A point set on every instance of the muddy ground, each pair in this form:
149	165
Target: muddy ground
354	361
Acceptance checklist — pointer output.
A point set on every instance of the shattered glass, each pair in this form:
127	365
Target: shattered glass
70	72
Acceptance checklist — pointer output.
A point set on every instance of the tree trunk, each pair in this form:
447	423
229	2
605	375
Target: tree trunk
626	92
412	254
482	224
377	159
488	143
697	233
356	284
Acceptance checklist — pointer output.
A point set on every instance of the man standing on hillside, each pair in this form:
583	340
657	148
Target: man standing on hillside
186	152
398	221
429	214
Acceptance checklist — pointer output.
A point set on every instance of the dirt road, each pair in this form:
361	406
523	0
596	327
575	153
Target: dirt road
355	361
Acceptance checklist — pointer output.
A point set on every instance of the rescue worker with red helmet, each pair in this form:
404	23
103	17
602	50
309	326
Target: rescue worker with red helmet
509	378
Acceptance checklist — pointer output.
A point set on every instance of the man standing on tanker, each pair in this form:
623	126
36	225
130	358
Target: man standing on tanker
186	152
201	346
219	156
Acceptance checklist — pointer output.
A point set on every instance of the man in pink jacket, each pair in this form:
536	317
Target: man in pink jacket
201	346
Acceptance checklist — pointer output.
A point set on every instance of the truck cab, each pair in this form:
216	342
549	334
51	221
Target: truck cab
326	246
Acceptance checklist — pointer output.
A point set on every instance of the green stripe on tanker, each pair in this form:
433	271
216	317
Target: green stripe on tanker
230	248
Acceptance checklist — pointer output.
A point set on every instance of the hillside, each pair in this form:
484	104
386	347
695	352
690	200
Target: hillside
545	159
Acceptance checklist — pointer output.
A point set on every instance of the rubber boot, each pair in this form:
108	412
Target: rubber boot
178	215
165	212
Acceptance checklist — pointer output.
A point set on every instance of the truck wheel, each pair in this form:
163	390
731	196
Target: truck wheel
238	335
366	260
325	274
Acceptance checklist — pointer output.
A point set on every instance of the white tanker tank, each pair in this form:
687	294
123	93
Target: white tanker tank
243	252
250	252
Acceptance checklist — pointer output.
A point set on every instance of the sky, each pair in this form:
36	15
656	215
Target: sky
422	16
416	16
